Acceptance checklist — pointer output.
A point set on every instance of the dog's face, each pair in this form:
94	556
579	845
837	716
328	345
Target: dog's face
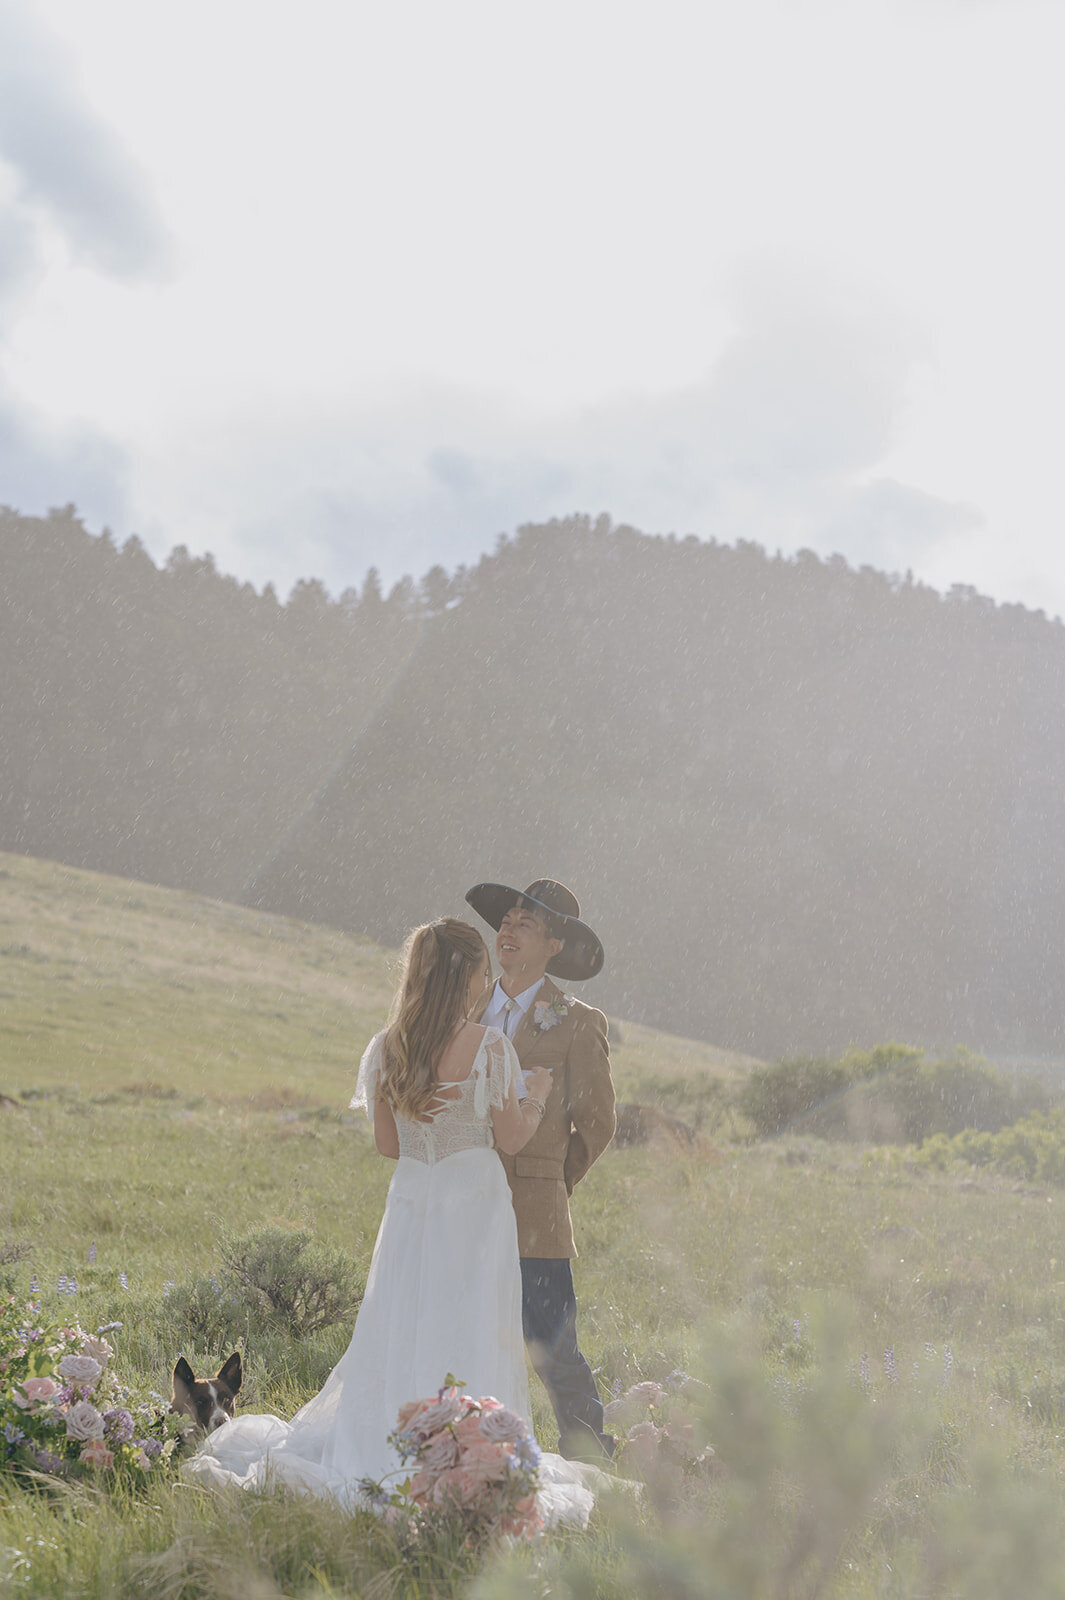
208	1401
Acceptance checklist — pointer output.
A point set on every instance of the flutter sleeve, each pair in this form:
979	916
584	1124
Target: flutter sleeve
369	1075
497	1071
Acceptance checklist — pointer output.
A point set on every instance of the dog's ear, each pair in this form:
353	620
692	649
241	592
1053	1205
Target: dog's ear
184	1378
232	1372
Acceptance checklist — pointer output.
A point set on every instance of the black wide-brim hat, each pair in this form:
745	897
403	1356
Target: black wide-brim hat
581	955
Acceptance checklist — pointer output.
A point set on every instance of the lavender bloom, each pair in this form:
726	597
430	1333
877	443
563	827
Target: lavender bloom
889	1365
948	1366
12	1434
167	1286
152	1448
61	1286
123	1280
35	1285
118	1425
865	1377
92	1254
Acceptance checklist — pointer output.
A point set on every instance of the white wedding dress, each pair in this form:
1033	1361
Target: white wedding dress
443	1296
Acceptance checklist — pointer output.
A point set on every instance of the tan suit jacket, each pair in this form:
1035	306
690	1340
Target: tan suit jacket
578	1123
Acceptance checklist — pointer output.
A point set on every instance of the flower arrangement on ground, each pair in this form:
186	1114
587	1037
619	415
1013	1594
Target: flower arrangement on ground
475	1462
658	1430
64	1411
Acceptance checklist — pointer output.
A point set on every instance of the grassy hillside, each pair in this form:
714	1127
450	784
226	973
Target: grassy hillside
108	985
882	1342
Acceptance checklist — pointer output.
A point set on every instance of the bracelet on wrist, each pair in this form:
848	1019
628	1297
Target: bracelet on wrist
531	1100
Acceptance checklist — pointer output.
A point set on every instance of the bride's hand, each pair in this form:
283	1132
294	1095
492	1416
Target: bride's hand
538	1083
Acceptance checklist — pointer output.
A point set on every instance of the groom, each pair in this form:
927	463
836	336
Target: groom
540	932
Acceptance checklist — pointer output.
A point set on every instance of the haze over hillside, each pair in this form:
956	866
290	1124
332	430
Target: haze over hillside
802	805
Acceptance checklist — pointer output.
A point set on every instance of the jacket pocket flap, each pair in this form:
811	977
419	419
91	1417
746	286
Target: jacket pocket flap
538	1167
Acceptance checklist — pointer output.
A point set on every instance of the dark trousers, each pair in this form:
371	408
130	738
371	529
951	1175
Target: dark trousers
549	1322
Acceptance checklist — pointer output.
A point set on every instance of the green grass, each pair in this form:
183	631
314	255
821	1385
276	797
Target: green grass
181	1067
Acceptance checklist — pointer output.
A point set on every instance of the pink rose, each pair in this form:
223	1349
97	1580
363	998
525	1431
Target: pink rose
461	1487
646	1393
441	1452
432	1415
34	1390
642	1446
97	1454
407	1411
503	1425
468	1428
486	1457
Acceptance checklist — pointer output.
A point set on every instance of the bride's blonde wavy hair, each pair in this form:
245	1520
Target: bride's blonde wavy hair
439	962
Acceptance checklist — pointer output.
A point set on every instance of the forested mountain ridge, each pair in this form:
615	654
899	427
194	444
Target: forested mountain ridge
802	805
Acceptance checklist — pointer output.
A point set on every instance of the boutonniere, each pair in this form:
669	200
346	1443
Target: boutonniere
549	1013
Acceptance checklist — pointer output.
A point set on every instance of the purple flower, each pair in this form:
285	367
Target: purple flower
123	1280
151	1448
118	1425
12	1434
889	1365
47	1460
92	1254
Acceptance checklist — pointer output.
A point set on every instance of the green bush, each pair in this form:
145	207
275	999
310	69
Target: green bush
299	1285
889	1095
274	1281
1032	1148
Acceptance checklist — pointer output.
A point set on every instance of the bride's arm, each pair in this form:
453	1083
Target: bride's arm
384	1129
515	1122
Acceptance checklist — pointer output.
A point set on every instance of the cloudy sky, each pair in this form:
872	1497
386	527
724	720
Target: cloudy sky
343	283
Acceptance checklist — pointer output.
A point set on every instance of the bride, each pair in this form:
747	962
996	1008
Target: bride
443	1293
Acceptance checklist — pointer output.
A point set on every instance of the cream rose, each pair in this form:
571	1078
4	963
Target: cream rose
79	1369
84	1421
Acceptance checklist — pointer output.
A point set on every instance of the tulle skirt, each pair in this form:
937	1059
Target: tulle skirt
443	1298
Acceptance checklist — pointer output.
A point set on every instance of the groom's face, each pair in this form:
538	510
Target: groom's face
524	945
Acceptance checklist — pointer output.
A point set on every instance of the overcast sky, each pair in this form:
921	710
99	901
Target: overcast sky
328	285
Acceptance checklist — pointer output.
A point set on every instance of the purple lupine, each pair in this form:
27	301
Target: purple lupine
889	1365
123	1280
865	1377
35	1285
948	1366
92	1254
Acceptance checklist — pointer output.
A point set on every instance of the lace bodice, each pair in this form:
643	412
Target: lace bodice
462	1123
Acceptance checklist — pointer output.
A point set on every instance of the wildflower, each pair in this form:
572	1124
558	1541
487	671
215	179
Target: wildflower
92	1254
889	1365
948	1366
12	1434
118	1425
123	1280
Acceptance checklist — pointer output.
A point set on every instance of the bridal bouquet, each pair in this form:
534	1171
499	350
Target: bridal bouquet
474	1460
63	1410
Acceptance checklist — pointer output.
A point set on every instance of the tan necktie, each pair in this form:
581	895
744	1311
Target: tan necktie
509	1008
